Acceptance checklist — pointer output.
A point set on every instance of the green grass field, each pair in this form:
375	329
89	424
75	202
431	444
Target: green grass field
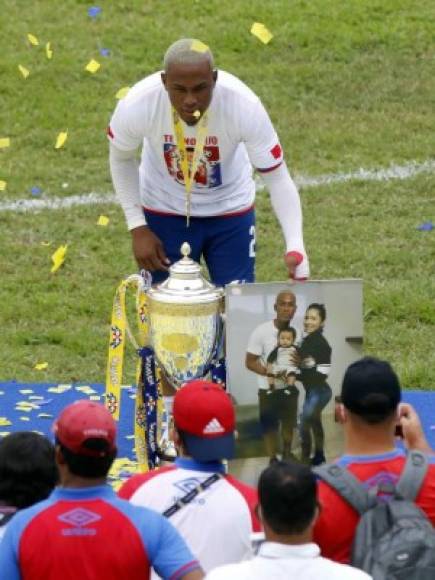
347	84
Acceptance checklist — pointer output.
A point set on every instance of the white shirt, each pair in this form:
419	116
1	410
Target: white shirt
261	343
239	135
216	525
280	561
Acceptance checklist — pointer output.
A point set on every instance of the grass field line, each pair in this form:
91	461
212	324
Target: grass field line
405	171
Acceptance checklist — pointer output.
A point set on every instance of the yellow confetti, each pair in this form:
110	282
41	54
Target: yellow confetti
4	422
198	46
103	220
4	142
45	416
122	92
92	66
48	50
61	138
24	418
26	391
32	39
45	243
41	366
58	258
23	70
3	185
261	32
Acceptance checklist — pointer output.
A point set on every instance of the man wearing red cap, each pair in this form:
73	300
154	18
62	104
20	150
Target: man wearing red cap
213	511
83	530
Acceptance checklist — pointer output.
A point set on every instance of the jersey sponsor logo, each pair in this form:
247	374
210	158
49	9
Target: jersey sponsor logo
208	173
79	519
213	426
276	151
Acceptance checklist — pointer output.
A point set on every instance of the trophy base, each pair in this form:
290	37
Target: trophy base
167	451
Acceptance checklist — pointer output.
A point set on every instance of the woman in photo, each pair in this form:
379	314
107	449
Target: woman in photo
314	361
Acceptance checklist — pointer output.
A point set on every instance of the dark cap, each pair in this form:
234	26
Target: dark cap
205	415
83	421
370	386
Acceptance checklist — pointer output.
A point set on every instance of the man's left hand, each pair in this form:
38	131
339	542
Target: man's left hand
292	261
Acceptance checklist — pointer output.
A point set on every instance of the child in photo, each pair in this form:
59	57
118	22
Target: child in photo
281	371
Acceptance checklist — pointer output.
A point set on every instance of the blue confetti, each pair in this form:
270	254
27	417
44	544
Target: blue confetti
35	190
94	11
426	227
104	52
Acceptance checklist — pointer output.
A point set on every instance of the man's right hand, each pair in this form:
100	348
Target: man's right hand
148	249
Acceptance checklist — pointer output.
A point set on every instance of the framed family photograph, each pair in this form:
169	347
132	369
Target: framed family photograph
288	345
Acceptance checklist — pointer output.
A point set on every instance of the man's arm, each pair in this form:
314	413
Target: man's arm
413	434
147	247
286	203
253	363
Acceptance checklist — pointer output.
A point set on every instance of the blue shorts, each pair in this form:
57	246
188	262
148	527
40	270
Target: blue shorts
226	243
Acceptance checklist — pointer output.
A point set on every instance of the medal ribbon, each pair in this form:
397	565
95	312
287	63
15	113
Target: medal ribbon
115	363
189	173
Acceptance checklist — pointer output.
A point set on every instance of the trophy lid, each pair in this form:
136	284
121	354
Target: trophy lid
185	283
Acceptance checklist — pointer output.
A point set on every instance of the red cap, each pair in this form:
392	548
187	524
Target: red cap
84	420
203	411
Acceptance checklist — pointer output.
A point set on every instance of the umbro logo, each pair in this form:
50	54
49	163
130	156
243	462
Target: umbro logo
79	519
213	427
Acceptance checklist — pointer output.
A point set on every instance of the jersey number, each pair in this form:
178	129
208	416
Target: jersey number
252	242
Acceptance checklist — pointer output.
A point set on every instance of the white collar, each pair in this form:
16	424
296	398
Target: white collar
277	550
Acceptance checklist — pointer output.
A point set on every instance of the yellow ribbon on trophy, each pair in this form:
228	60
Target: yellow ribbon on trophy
118	332
189	172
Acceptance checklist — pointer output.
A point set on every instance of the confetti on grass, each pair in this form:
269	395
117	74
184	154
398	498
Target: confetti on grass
3	185
92	66
122	92
94	11
103	220
23	70
58	258
60	140
32	39
41	366
5	142
48	50
426	227
261	32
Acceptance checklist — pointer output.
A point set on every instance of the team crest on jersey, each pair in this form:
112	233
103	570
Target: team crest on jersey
208	173
186	485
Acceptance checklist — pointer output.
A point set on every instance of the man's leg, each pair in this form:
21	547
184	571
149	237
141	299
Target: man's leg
269	422
229	248
173	232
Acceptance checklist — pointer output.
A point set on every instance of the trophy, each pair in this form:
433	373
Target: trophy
180	331
184	321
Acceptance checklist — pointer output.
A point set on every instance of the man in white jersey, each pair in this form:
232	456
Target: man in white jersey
217	522
201	132
278	407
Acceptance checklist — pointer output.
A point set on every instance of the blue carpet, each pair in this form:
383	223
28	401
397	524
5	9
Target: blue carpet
46	405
